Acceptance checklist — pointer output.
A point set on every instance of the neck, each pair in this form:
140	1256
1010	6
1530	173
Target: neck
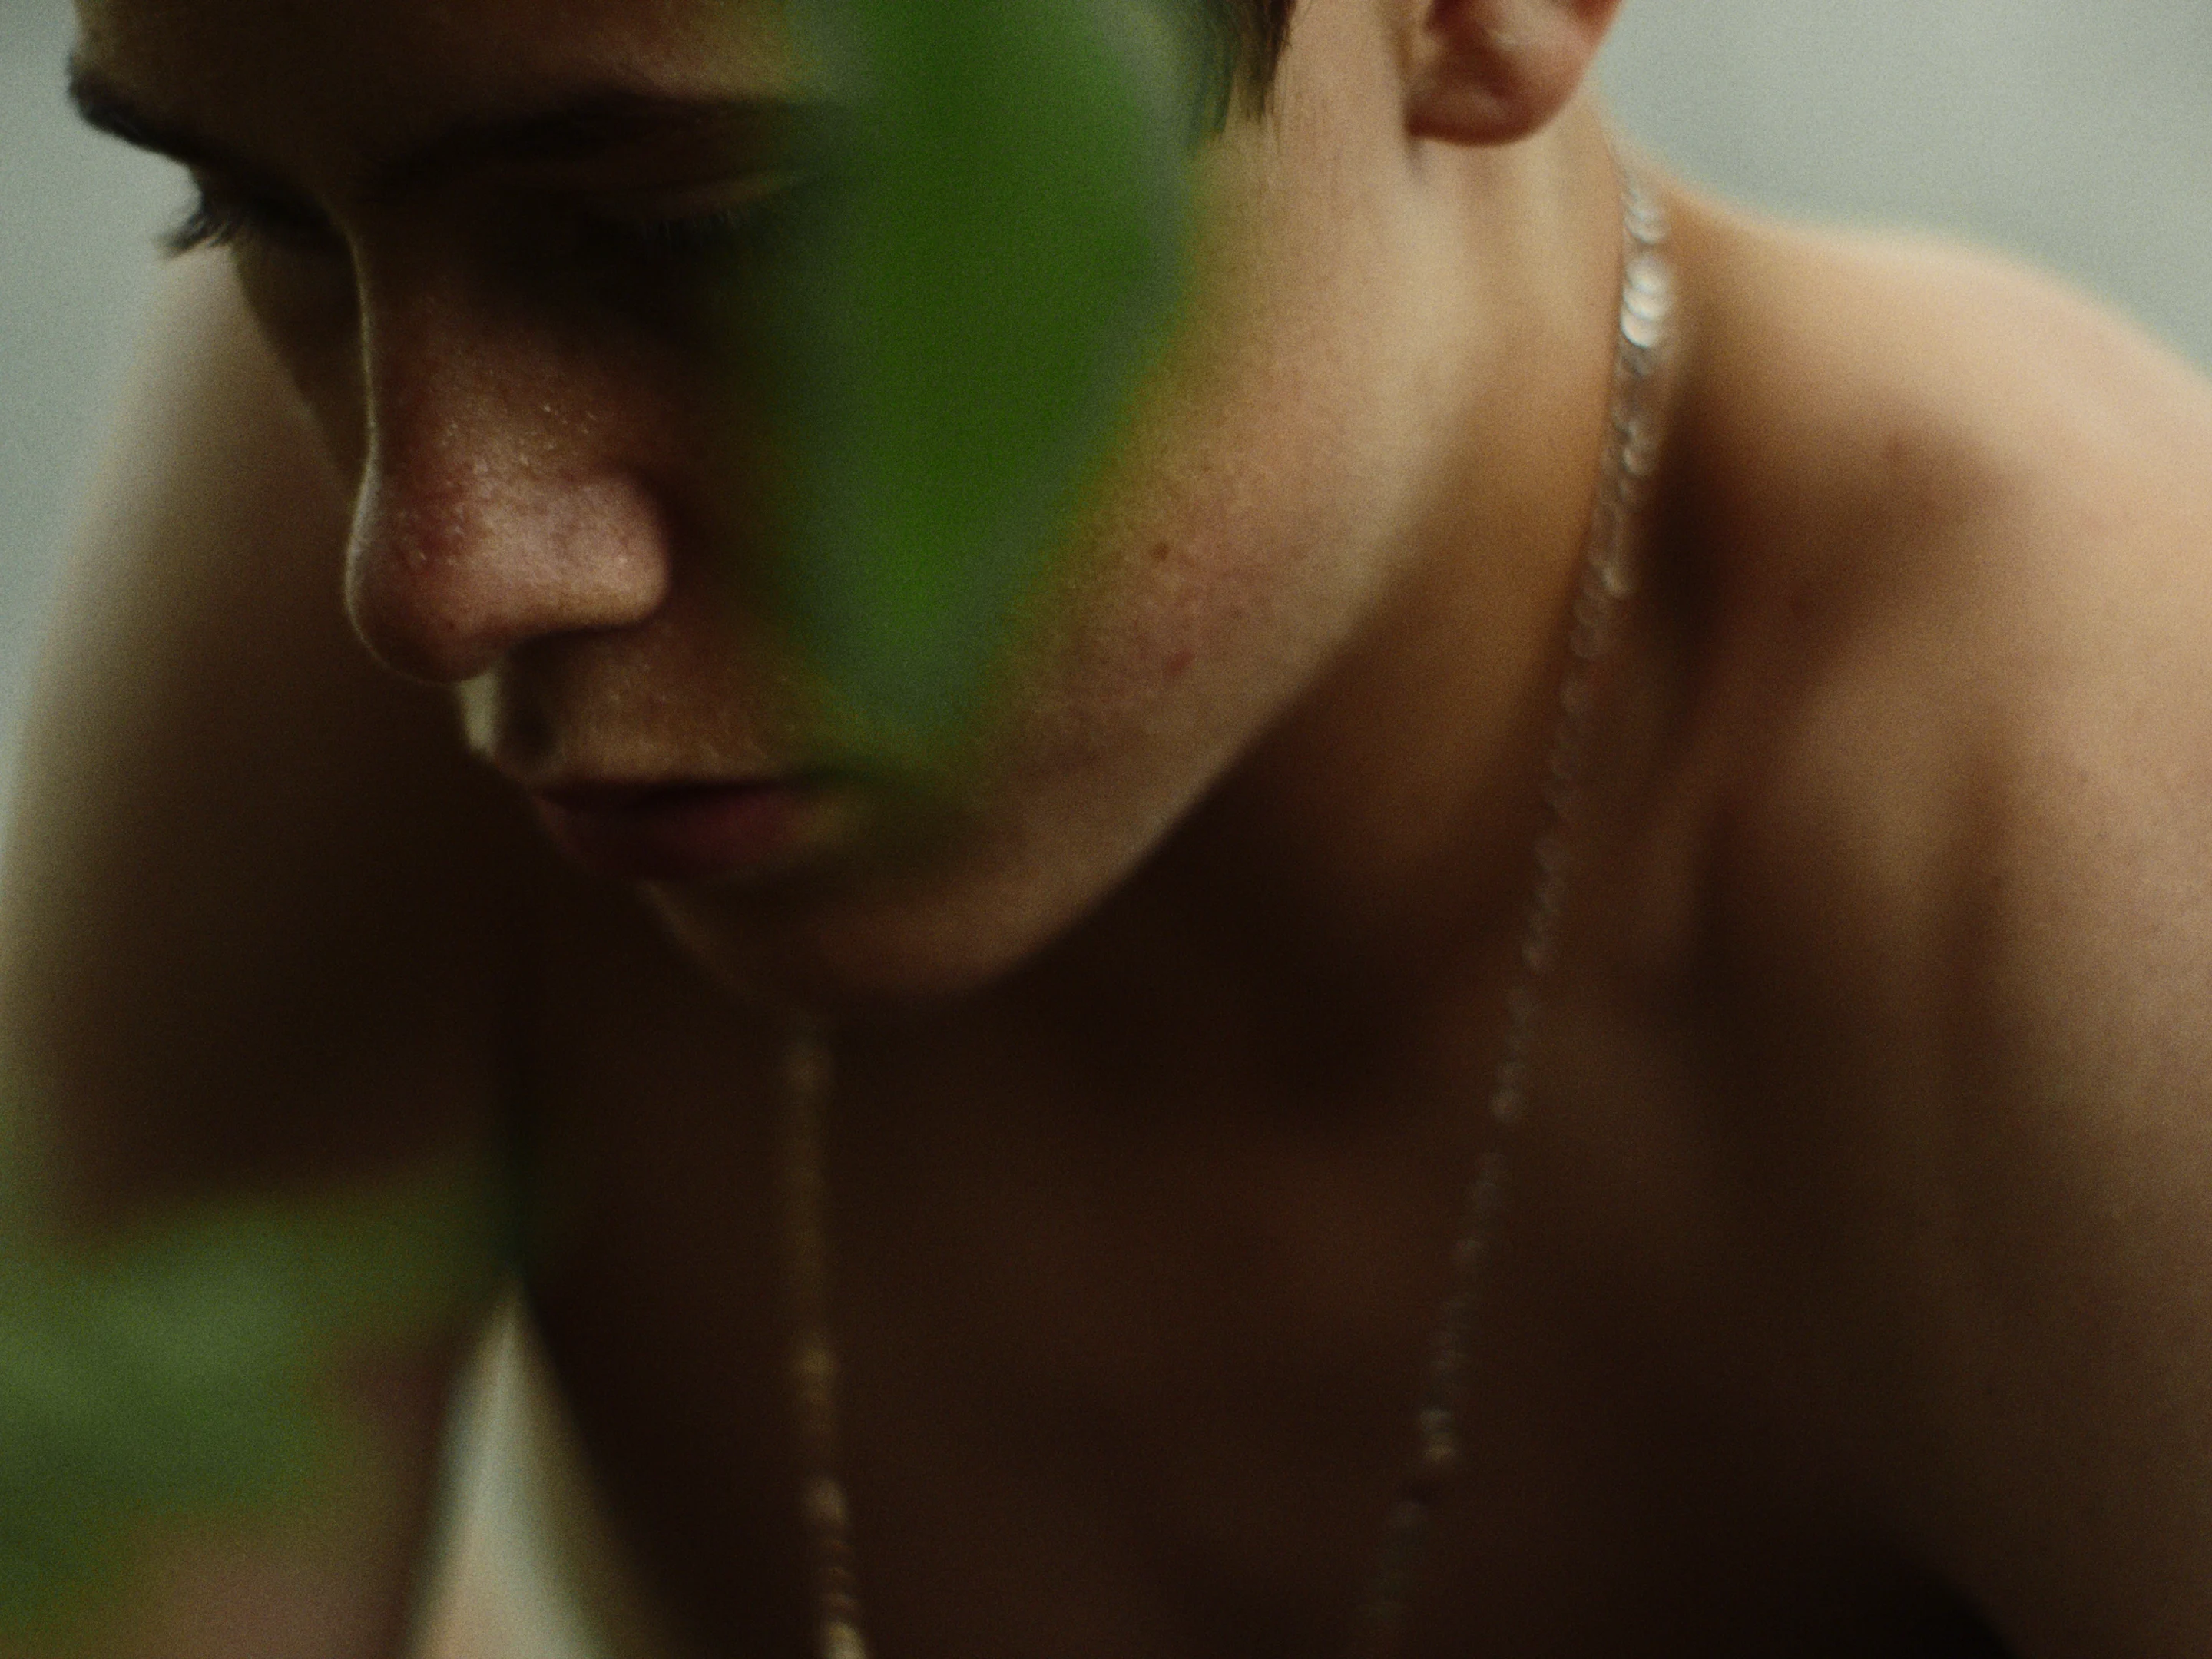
1353	890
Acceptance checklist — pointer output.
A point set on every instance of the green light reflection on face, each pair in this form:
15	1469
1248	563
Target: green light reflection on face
1000	265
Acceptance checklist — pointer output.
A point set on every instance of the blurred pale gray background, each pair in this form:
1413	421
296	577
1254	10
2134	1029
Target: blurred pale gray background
2075	132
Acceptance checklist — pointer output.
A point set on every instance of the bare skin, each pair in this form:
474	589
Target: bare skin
1851	1301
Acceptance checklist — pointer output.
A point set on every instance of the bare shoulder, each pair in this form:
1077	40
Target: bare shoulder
256	966
251	909
1962	550
1956	520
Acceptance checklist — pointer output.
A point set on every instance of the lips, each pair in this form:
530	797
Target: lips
680	832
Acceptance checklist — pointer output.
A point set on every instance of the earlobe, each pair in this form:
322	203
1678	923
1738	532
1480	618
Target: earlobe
1494	71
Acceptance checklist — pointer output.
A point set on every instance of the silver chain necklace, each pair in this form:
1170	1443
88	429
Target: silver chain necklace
1608	580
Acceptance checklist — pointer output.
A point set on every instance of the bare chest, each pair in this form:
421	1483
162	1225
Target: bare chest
1152	1395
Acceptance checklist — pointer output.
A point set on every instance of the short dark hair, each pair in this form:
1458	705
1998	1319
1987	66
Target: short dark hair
1243	43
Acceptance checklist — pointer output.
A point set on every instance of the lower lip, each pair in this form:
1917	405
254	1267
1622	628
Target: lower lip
685	834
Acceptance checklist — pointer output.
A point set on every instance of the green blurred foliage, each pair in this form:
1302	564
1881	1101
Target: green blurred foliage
196	1371
999	261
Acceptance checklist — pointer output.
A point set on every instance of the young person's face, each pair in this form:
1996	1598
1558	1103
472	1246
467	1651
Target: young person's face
562	467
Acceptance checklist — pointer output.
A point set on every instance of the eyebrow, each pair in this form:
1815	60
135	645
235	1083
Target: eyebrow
764	129
101	105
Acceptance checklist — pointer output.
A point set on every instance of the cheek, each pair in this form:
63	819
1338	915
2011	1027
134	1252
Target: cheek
1172	653
1246	532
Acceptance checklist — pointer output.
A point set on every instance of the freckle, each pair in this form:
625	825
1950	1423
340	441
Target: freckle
1163	551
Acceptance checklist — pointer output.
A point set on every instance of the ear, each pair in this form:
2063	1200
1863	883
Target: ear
1492	71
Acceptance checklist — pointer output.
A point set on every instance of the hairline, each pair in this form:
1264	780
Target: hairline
1243	46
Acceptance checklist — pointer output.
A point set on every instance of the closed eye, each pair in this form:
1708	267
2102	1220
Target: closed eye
225	218
752	227
696	236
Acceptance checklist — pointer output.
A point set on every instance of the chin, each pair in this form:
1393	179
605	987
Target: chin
867	950
915	893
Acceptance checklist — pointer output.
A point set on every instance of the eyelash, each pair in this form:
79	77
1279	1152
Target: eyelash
692	238
217	220
220	220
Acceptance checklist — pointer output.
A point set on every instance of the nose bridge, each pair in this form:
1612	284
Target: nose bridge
500	502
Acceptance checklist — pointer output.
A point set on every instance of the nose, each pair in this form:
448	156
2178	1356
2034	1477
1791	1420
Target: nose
505	499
